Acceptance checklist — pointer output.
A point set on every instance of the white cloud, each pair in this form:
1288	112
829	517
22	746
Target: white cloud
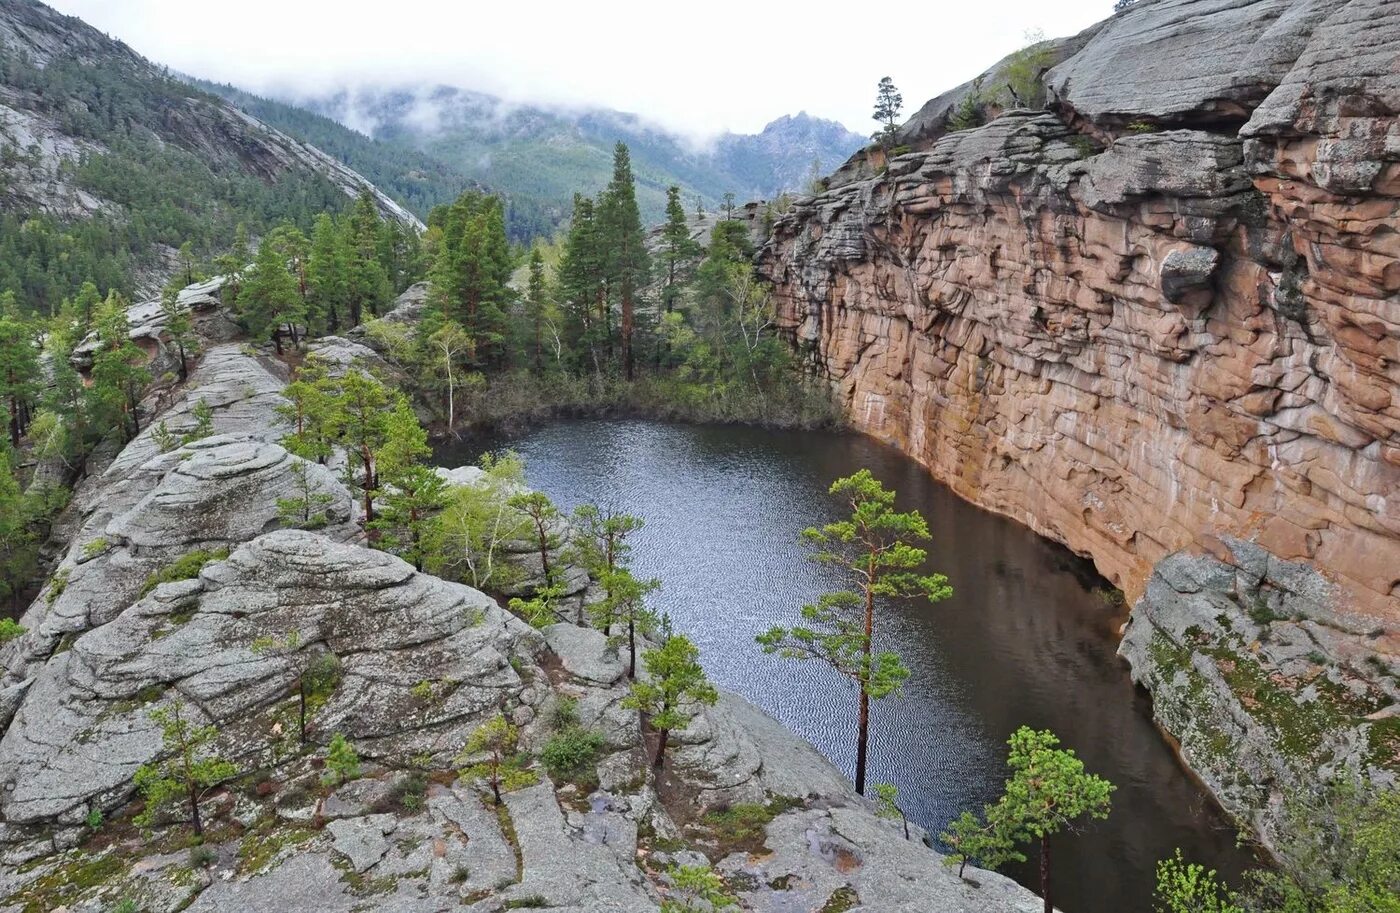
699	68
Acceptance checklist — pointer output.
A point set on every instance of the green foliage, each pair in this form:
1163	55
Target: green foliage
342	761
1184	887
572	754
306	509
888	103
984	842
466	540
1341	849
471	270
872	550
9	630
1048	792
186	567
1141	126
1022	86
541	609
164	193
696	889
492	752
674	685
190	769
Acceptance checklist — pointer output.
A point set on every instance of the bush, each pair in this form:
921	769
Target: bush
572	754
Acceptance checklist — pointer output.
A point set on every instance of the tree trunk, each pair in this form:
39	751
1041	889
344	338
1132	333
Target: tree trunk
194	811
628	319
14	423
632	646
660	759
277	339
1045	873
863	739
184	363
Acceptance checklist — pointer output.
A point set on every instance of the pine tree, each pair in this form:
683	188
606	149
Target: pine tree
625	244
872	550
118	370
675	682
191	769
269	298
362	425
310	408
581	281
888	103
19	367
178	326
678	247
327	276
1048	791
536	304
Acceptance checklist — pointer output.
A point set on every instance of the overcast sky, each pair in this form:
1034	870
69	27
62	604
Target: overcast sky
699	67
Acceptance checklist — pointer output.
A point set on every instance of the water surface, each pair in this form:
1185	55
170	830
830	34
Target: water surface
1027	638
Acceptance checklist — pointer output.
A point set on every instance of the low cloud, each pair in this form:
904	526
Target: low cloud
733	65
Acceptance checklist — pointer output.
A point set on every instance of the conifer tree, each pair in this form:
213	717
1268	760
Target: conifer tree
310	408
269	298
625	246
536	304
675	683
178	326
888	103
362	425
19	367
581	282
872	550
191	769
679	247
118	370
327	276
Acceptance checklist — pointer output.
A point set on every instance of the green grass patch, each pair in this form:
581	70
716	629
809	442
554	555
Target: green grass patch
186	567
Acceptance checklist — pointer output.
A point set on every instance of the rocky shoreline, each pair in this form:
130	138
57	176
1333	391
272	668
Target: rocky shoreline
424	662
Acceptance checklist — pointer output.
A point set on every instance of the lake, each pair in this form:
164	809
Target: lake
1027	638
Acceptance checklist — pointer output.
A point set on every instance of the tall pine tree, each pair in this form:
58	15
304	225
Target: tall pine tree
628	265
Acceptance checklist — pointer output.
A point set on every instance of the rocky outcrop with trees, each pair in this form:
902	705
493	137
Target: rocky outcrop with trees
333	723
1137	289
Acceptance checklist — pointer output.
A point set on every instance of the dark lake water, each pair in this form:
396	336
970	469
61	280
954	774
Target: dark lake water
1025	639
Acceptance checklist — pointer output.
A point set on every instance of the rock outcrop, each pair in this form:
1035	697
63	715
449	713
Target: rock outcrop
119	633
1158	315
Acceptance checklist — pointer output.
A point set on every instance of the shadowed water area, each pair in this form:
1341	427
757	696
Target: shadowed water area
1027	638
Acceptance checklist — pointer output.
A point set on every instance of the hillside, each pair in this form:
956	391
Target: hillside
107	163
540	155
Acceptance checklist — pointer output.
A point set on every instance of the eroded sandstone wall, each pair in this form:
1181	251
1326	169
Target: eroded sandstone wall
1162	312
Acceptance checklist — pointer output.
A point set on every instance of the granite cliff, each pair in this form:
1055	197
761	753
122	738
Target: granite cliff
116	636
1159	321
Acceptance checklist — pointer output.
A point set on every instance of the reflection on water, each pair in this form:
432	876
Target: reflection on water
1025	639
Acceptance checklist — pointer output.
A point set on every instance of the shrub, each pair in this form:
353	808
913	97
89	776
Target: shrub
9	630
572	754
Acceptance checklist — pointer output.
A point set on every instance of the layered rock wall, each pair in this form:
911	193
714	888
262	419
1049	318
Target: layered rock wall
1160	316
1192	330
